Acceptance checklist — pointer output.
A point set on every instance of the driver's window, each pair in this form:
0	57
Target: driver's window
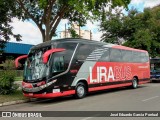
58	64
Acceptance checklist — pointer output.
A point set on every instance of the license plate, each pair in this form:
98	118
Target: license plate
56	90
30	94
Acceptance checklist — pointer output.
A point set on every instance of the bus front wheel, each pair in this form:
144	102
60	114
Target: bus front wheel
80	90
134	83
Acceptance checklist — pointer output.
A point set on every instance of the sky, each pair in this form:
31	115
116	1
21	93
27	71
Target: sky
31	34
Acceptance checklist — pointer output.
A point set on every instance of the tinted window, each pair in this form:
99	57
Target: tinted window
136	56
140	56
68	46
84	51
144	57
155	60
115	55
126	56
60	60
105	56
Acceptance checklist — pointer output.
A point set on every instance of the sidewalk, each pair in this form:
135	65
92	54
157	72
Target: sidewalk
14	102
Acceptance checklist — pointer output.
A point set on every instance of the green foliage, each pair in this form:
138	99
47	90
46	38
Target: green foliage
112	27
7	78
138	30
42	3
73	32
7	81
7	12
8	65
47	14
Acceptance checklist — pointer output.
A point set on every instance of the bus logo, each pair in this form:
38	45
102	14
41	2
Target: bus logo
110	74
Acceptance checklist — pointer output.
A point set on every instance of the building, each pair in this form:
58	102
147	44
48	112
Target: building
86	34
14	50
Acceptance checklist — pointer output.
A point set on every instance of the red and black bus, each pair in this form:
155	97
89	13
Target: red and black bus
78	66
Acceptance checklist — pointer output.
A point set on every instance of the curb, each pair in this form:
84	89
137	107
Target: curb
13	102
18	102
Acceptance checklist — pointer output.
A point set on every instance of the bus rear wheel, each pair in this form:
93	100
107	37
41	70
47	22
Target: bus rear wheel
80	90
134	83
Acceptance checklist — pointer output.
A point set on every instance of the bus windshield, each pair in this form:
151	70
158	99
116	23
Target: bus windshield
58	62
155	65
35	68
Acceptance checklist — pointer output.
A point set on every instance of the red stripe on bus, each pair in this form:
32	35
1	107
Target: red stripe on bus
142	82
50	95
49	52
18	59
108	87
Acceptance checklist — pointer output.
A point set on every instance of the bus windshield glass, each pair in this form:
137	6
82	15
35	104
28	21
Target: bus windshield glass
58	62
35	69
155	65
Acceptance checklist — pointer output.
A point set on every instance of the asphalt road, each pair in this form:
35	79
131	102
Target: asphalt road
144	98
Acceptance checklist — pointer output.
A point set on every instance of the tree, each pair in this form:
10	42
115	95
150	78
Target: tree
138	30
47	14
7	12
112	27
7	78
73	32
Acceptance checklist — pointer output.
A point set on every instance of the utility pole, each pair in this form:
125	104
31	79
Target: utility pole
65	31
79	32
90	35
79	28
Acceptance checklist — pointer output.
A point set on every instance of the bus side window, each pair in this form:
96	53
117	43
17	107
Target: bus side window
126	56
115	55
84	51
144	57
136	57
105	56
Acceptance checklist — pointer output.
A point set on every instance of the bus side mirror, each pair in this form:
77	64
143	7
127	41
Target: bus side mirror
18	59
49	52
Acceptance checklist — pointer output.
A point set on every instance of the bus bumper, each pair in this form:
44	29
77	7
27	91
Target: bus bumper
155	79
49	95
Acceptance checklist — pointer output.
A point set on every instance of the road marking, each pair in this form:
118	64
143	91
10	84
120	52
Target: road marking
86	118
150	98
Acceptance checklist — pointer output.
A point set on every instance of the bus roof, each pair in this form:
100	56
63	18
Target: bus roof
128	48
80	40
75	40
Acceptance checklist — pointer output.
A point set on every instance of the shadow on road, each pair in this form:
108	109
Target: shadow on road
113	90
72	98
155	81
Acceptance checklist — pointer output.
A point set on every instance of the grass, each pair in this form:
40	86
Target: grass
17	95
18	78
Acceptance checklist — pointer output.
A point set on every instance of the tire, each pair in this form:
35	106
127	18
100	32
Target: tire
80	90
134	83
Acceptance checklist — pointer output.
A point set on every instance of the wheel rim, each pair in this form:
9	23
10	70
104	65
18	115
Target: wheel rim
134	83
80	91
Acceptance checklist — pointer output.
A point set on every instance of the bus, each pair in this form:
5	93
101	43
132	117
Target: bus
76	67
155	69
